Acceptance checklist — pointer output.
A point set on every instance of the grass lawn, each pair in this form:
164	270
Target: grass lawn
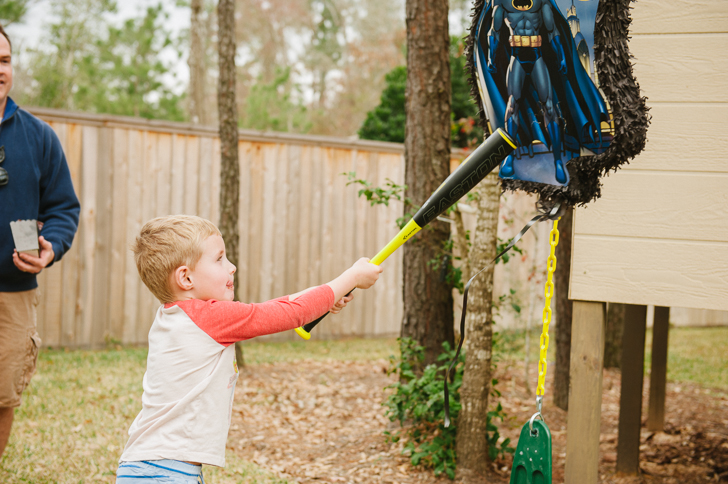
73	423
694	354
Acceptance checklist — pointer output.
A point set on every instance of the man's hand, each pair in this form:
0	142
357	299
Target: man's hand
31	264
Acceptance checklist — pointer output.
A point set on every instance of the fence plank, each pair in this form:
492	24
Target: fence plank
118	233
53	281
362	229
293	212
280	199
147	302
336	258
87	198
205	178
215	194
369	298
177	192
134	203
348	231
104	218
381	309
71	267
269	202
257	168
326	248
163	175
314	236
192	170
304	212
244	217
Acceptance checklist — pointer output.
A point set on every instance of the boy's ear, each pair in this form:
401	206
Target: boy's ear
181	278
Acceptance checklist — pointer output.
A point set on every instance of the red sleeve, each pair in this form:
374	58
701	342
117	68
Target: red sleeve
228	322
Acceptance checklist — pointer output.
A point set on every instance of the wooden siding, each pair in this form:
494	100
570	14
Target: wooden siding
657	236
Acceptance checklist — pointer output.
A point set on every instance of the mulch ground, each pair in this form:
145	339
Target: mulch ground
322	422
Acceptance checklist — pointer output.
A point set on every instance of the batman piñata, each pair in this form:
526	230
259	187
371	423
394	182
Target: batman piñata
533	84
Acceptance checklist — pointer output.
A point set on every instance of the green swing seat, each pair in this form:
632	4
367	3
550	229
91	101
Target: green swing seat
532	461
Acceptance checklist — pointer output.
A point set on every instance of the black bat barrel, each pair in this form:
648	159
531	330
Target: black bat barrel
482	161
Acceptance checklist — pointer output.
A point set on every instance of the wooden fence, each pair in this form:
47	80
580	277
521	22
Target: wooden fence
300	224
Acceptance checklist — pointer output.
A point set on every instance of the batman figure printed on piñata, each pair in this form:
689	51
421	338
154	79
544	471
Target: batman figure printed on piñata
535	77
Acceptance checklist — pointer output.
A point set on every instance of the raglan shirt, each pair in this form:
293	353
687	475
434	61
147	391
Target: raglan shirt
191	372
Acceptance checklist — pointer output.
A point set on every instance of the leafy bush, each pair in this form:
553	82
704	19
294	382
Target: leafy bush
418	403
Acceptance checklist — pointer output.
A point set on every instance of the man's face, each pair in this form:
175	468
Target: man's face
6	69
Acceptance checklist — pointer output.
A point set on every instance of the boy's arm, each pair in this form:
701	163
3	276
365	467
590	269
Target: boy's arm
228	321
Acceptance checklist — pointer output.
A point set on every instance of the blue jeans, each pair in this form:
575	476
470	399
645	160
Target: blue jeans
159	472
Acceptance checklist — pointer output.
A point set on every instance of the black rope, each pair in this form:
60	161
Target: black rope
554	213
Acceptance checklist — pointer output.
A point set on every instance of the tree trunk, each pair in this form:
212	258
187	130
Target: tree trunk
228	115
613	335
461	244
196	63
428	302
563	311
472	445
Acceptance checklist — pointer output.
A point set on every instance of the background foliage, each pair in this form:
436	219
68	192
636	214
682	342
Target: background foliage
88	63
386	122
304	66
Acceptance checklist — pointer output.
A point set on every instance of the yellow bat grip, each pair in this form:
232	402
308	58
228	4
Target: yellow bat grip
403	236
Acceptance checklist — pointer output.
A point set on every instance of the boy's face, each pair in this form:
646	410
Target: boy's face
213	273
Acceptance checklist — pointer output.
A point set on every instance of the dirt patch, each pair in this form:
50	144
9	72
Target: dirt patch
315	422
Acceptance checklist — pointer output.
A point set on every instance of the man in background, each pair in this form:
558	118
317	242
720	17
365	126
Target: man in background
35	184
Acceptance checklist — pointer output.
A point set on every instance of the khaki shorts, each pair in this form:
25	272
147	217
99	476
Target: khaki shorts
19	343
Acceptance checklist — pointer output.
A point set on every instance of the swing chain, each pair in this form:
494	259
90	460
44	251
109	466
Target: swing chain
548	293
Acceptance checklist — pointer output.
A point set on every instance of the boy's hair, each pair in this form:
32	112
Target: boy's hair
4	34
166	243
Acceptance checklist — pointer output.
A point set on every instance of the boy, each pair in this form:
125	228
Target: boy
191	372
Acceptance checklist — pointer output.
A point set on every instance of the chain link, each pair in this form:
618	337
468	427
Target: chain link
548	293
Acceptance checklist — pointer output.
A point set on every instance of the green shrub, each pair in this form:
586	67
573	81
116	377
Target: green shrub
418	403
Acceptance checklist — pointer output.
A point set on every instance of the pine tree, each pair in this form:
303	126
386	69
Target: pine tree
386	121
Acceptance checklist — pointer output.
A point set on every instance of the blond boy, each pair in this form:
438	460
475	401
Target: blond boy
191	369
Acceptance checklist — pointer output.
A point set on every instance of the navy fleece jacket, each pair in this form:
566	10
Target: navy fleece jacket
39	187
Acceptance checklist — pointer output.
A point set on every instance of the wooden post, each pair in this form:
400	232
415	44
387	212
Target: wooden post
630	400
658	372
585	393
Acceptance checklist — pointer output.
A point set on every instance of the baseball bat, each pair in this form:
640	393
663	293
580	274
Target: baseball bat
482	161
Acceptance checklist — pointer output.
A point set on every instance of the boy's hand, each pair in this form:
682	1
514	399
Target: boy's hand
365	273
341	304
